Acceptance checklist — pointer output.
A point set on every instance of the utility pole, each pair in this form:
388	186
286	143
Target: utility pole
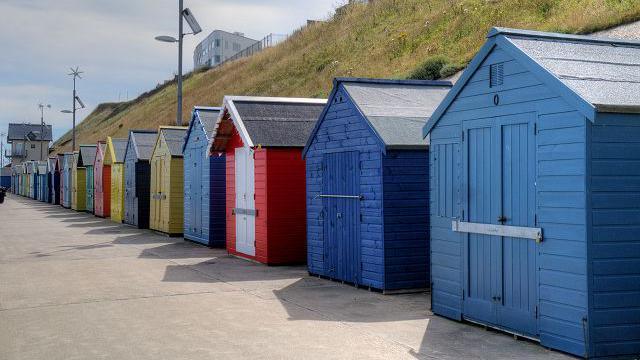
180	40
42	134
76	74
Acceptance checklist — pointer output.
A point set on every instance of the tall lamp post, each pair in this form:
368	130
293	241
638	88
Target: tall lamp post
76	100
42	134
195	28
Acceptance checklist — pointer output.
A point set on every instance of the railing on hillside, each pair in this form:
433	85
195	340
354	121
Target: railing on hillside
267	42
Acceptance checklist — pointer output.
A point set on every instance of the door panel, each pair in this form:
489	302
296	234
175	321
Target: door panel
341	177
245	201
500	275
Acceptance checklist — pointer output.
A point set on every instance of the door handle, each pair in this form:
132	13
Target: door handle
502	219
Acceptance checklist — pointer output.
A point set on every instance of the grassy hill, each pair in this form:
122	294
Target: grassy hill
388	39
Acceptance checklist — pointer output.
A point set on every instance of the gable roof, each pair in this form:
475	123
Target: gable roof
20	131
42	167
52	163
143	142
593	74
87	155
396	110
206	118
267	121
174	138
115	150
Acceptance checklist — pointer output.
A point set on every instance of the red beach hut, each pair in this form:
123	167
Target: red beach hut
263	139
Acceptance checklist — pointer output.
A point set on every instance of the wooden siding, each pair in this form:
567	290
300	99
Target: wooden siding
405	177
560	193
343	129
117	192
614	254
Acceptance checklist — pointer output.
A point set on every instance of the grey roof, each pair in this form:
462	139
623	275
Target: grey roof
174	137
604	72
5	171
20	131
278	123
88	154
119	147
42	167
144	141
208	117
397	111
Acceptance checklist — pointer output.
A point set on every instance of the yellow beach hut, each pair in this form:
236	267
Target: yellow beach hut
167	192
114	158
78	184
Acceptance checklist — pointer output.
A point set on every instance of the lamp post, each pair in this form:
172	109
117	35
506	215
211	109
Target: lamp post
2	149
76	74
42	134
195	28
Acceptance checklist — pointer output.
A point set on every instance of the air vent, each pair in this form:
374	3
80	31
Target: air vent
496	74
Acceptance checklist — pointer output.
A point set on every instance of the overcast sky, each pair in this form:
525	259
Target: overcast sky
112	42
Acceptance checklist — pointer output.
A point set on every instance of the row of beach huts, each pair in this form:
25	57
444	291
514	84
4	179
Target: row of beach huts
513	195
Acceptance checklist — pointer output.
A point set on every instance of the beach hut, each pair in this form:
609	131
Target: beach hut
114	158
368	183
67	183
78	184
137	175
32	179
26	179
534	213
167	192
204	182
5	177
43	181
86	160
262	139
60	170
53	181
101	183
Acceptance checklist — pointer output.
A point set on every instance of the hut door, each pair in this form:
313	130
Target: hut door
245	211
196	191
341	202
500	276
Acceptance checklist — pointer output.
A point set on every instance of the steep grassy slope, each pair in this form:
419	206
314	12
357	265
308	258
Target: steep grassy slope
389	39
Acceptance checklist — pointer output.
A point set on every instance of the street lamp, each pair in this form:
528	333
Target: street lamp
195	28
76	74
42	106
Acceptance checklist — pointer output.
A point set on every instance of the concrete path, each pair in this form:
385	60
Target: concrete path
73	286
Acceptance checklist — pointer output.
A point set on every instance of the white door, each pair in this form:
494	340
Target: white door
245	211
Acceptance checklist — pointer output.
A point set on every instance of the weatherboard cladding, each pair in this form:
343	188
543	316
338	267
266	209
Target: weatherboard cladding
584	194
387	246
204	182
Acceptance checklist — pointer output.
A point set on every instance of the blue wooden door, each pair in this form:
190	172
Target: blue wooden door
341	189
196	190
501	272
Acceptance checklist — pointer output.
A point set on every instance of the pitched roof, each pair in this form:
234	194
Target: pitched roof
20	131
52	163
206	117
270	122
88	154
118	148
42	167
174	138
143	142
595	74
604	72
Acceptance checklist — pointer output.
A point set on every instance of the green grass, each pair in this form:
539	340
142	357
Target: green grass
388	39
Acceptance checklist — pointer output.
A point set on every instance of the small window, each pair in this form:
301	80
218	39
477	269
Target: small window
496	75
33	146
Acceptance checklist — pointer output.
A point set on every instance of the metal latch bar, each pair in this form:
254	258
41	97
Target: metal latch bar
360	197
498	230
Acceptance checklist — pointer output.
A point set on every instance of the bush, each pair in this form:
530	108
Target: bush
433	68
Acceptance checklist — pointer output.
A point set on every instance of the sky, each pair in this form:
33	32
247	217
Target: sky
112	41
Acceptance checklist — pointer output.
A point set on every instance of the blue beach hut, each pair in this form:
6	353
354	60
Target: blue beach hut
53	181
534	209
137	177
204	182
367	183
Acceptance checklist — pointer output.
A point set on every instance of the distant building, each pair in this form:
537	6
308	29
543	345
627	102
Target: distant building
218	47
27	142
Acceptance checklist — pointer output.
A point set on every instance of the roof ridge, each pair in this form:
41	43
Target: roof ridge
392	81
496	31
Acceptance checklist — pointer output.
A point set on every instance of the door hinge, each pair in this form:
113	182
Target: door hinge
535	128
536	311
535	219
462	135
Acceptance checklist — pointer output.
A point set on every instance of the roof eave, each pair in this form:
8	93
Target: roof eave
621	109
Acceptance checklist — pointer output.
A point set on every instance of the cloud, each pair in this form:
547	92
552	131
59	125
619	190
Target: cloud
112	41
